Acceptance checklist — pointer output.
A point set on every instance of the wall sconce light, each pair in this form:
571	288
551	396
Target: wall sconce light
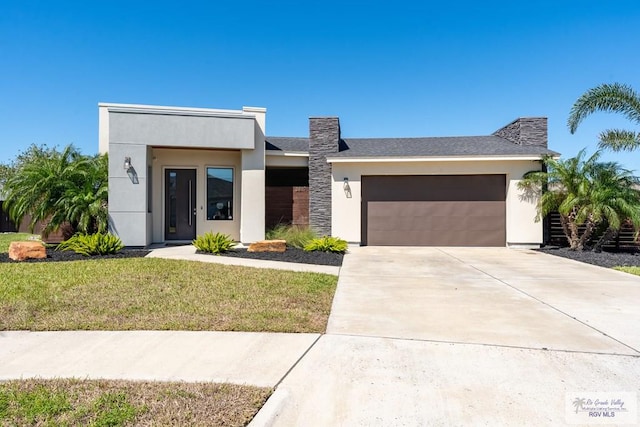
346	188
127	163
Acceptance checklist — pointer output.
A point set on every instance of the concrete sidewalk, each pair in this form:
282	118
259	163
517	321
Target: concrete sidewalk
260	359
188	252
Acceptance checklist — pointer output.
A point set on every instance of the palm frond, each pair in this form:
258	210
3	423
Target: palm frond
619	140
615	97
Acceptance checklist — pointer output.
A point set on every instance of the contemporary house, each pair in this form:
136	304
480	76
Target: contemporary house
175	173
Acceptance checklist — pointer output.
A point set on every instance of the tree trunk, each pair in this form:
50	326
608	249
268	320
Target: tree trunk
607	236
574	236
590	226
564	221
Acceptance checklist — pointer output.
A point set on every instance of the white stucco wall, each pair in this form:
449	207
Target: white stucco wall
253	182
346	208
128	194
173	137
287	160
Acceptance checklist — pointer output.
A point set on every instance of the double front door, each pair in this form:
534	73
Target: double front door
180	204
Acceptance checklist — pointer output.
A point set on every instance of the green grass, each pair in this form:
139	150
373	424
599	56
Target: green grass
7	238
295	236
160	294
70	402
630	270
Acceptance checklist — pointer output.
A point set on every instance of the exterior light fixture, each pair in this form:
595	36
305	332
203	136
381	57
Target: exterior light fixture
127	163
346	188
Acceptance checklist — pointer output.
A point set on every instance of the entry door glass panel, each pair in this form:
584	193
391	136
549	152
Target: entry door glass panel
180	204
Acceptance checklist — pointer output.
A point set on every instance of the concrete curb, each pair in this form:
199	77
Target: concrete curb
271	410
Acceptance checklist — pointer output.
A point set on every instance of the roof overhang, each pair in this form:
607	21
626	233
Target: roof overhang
180	111
434	159
286	153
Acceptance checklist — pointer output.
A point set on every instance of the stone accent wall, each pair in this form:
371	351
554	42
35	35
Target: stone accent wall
525	131
324	139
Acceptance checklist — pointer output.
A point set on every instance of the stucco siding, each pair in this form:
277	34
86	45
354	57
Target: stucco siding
157	138
290	161
346	203
182	131
128	193
253	182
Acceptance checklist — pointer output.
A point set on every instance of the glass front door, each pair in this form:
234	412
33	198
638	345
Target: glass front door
180	204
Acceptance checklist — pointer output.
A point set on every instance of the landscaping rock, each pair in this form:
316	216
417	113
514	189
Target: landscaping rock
268	246
20	251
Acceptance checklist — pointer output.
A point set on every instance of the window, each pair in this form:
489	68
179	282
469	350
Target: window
219	193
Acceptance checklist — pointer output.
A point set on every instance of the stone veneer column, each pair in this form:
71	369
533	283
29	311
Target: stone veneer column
324	139
525	131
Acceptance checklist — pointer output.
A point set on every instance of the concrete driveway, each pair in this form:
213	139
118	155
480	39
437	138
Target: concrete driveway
465	336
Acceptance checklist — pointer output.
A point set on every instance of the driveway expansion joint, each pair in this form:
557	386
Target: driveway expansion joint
514	347
298	361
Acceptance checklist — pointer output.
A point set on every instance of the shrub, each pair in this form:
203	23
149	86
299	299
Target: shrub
214	243
296	236
57	188
327	244
92	244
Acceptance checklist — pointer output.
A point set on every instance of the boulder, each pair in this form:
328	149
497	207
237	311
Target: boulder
268	246
19	251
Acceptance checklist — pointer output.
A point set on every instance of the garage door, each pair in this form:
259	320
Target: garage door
434	210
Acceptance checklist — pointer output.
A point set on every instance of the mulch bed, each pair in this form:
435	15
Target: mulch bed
290	255
607	259
53	255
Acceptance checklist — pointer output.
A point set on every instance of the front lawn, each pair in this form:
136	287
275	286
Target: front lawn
161	294
114	403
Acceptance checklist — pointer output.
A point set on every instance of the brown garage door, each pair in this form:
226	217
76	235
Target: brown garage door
434	210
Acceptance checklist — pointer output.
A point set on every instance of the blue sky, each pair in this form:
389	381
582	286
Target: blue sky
385	68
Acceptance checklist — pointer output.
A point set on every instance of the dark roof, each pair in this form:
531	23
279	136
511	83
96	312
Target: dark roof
284	143
416	147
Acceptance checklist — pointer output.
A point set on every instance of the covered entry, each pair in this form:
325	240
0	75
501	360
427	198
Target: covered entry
434	210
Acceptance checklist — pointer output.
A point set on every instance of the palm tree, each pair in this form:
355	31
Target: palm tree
613	200
587	194
617	98
59	187
85	204
562	188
